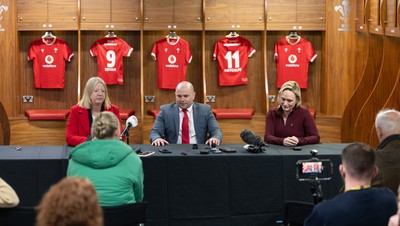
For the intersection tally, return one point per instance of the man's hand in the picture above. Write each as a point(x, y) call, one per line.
point(159, 142)
point(212, 141)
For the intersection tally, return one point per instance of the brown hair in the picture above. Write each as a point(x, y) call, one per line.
point(71, 202)
point(359, 159)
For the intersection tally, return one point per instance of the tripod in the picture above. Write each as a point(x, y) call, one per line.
point(316, 191)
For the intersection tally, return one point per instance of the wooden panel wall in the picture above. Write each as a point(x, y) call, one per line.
point(9, 94)
point(379, 84)
point(344, 57)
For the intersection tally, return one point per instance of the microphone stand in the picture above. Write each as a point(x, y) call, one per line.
point(127, 137)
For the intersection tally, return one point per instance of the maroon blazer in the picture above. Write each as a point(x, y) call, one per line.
point(78, 128)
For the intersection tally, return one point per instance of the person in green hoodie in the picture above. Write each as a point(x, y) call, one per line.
point(110, 164)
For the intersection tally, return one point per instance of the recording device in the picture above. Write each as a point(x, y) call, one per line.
point(256, 144)
point(130, 122)
point(314, 169)
point(214, 149)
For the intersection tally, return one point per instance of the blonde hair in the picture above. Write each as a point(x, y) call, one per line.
point(292, 86)
point(72, 201)
point(104, 125)
point(85, 101)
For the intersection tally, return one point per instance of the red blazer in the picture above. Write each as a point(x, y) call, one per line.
point(78, 128)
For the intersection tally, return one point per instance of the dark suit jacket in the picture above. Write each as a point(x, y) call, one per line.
point(388, 162)
point(167, 124)
point(78, 128)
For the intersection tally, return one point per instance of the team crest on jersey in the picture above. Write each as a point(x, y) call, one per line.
point(299, 50)
point(55, 50)
point(178, 50)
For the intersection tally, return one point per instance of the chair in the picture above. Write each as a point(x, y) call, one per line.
point(295, 212)
point(18, 216)
point(125, 215)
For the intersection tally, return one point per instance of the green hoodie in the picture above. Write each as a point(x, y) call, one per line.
point(114, 169)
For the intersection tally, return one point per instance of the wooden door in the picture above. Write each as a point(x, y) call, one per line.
point(32, 11)
point(95, 11)
point(61, 11)
point(158, 14)
point(125, 11)
point(234, 15)
point(188, 14)
point(311, 15)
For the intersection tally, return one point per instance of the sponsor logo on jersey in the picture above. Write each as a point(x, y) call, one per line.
point(292, 60)
point(49, 59)
point(233, 70)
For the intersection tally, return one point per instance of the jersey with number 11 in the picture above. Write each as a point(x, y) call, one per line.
point(110, 52)
point(233, 54)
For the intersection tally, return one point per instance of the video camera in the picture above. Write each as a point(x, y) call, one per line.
point(314, 169)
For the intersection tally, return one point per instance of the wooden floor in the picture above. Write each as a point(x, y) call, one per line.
point(24, 132)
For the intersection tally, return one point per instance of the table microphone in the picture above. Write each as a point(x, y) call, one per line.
point(130, 122)
point(254, 140)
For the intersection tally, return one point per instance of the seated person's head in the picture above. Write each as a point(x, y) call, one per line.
point(105, 126)
point(72, 201)
point(289, 96)
point(358, 161)
point(94, 86)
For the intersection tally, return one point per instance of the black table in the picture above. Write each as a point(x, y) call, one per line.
point(194, 189)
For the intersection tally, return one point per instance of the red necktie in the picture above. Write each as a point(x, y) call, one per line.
point(185, 128)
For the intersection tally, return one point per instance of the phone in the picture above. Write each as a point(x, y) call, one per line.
point(227, 149)
point(297, 148)
point(164, 151)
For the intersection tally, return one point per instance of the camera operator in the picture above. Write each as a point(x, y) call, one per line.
point(359, 204)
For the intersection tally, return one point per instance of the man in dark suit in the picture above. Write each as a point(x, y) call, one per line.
point(387, 124)
point(203, 127)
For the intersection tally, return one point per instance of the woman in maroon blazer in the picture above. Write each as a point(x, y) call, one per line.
point(290, 124)
point(94, 100)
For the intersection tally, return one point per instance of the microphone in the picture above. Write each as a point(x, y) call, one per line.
point(130, 122)
point(257, 144)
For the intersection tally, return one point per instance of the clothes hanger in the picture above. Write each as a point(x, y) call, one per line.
point(232, 34)
point(110, 34)
point(172, 35)
point(293, 35)
point(48, 34)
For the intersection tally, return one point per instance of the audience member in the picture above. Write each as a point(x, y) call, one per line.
point(359, 204)
point(387, 124)
point(290, 124)
point(110, 164)
point(94, 100)
point(8, 197)
point(395, 219)
point(70, 202)
point(203, 127)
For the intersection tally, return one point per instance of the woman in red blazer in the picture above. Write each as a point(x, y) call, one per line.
point(94, 100)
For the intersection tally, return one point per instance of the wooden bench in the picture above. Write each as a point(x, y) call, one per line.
point(48, 115)
point(233, 113)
